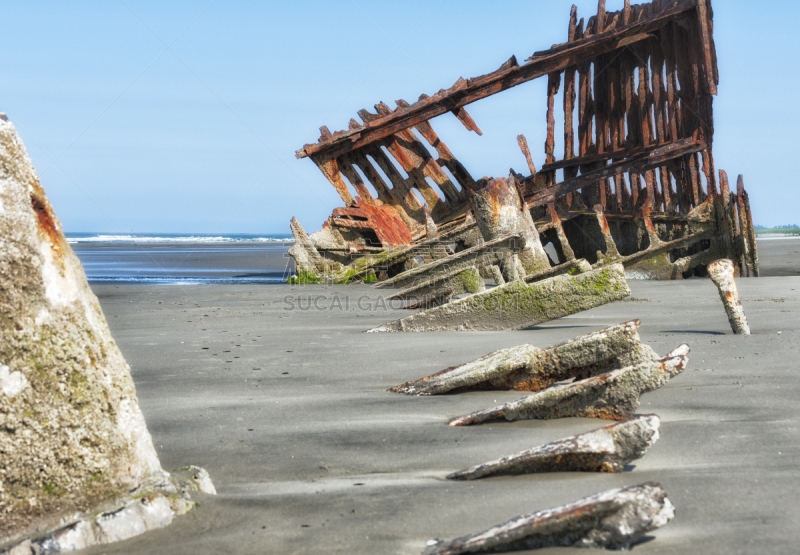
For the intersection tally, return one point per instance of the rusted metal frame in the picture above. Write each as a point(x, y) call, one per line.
point(605, 156)
point(689, 113)
point(731, 225)
point(465, 92)
point(330, 169)
point(433, 169)
point(360, 159)
point(411, 163)
point(401, 148)
point(704, 107)
point(602, 127)
point(661, 123)
point(569, 90)
point(407, 204)
point(617, 106)
point(423, 162)
point(659, 217)
point(645, 98)
point(447, 159)
point(705, 39)
point(586, 109)
point(611, 252)
point(652, 235)
point(665, 247)
point(666, 34)
point(553, 85)
point(638, 164)
point(555, 222)
point(750, 233)
point(345, 166)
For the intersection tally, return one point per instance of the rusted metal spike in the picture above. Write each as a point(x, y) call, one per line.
point(367, 116)
point(573, 23)
point(611, 247)
point(746, 221)
point(464, 117)
point(555, 221)
point(523, 146)
point(721, 273)
point(609, 449)
point(613, 519)
point(611, 396)
point(325, 134)
point(354, 124)
point(510, 63)
point(528, 368)
point(601, 16)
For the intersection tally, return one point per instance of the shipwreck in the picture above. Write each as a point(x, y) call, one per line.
point(639, 185)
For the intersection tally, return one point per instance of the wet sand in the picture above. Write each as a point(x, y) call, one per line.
point(288, 411)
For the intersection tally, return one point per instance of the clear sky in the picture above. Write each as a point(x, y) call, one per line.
point(183, 116)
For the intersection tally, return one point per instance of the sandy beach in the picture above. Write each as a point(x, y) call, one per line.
point(286, 407)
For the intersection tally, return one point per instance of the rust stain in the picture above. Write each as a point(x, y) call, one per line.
point(46, 223)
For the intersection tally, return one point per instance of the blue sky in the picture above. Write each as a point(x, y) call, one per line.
point(184, 116)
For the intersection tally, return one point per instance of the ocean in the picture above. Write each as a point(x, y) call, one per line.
point(183, 259)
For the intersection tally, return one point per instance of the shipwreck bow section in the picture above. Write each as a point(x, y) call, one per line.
point(637, 184)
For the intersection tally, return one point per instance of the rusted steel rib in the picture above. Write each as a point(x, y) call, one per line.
point(608, 449)
point(640, 164)
point(610, 396)
point(613, 519)
point(529, 368)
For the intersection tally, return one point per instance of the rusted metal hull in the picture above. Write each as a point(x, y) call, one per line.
point(639, 184)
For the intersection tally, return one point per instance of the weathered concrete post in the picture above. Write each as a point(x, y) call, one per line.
point(499, 211)
point(78, 465)
point(721, 272)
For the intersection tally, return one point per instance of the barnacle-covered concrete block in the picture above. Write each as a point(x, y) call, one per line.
point(614, 519)
point(78, 464)
point(519, 305)
point(608, 449)
point(529, 368)
point(611, 396)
